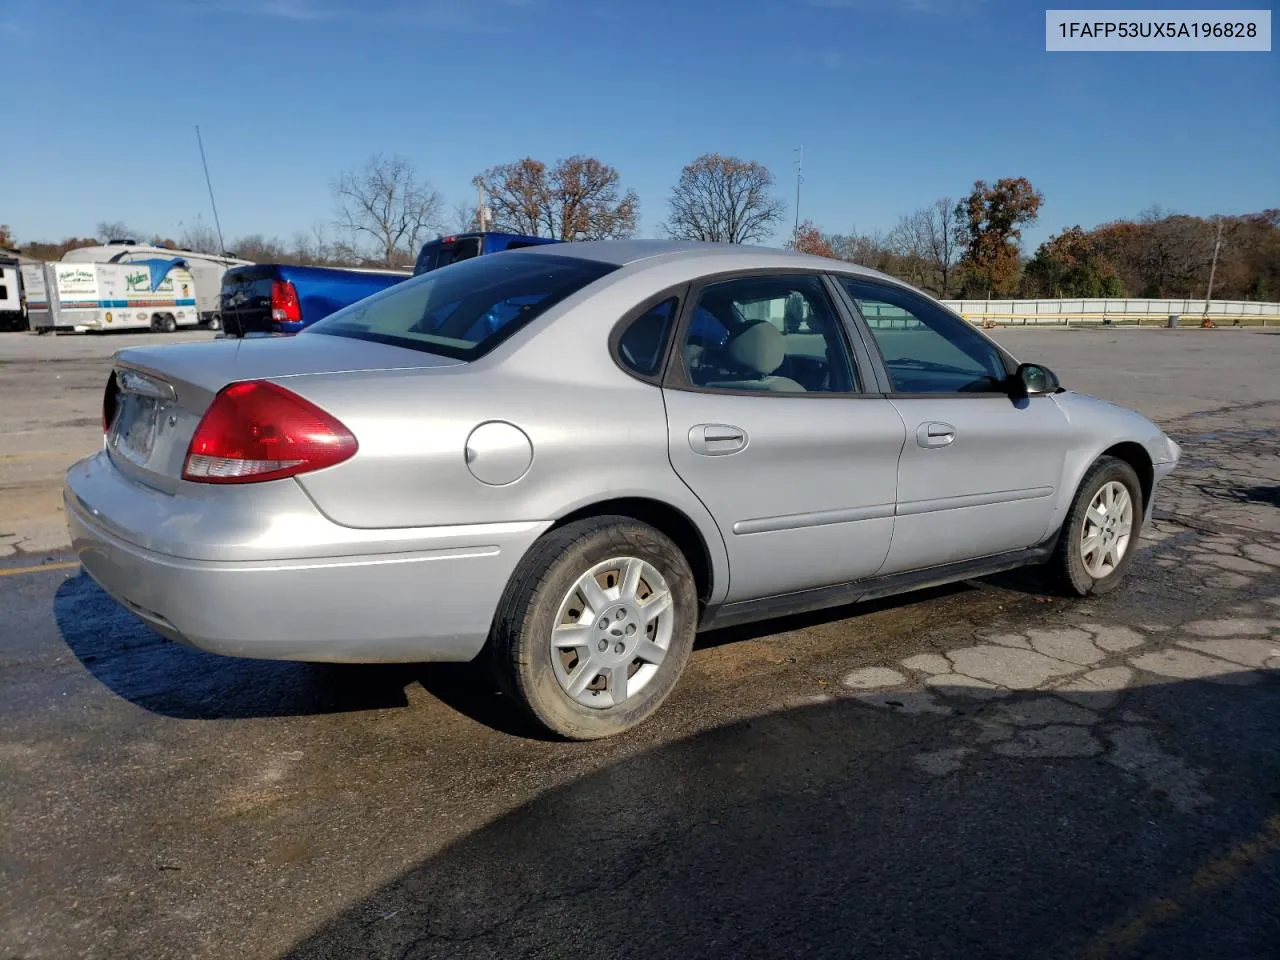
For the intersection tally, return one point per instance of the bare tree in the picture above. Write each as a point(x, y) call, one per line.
point(724, 199)
point(116, 230)
point(941, 239)
point(385, 207)
point(577, 199)
point(929, 246)
point(463, 217)
point(868, 250)
point(200, 238)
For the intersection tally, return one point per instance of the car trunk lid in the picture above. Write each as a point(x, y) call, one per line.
point(157, 395)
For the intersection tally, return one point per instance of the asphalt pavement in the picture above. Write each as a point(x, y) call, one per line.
point(986, 770)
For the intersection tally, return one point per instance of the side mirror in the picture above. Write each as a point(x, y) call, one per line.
point(1033, 380)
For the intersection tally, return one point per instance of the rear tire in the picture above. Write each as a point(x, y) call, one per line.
point(215, 322)
point(1100, 533)
point(636, 642)
point(168, 324)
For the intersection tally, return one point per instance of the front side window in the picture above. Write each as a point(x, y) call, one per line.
point(769, 334)
point(466, 309)
point(926, 349)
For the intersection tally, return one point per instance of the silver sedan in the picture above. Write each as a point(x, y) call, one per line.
point(573, 457)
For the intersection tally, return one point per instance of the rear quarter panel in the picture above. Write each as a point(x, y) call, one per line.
point(591, 441)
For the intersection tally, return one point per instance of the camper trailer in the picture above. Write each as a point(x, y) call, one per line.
point(12, 314)
point(206, 269)
point(157, 294)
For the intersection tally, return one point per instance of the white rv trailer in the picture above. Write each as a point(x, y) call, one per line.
point(35, 291)
point(206, 269)
point(12, 316)
point(154, 294)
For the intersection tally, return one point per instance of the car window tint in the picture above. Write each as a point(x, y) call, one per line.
point(926, 349)
point(770, 334)
point(465, 309)
point(644, 342)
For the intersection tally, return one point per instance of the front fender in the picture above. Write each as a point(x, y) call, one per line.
point(1098, 426)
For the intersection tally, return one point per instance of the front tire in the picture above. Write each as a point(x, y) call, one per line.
point(1100, 533)
point(595, 627)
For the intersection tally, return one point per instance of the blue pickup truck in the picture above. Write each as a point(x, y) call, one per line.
point(278, 298)
point(463, 246)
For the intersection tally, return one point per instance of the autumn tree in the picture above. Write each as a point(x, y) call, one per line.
point(809, 239)
point(1070, 264)
point(6, 237)
point(579, 198)
point(989, 225)
point(386, 209)
point(724, 199)
point(51, 251)
point(1160, 254)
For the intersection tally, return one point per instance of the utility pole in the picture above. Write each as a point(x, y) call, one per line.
point(480, 210)
point(795, 233)
point(1213, 269)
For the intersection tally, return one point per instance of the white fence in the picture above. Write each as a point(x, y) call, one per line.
point(1114, 310)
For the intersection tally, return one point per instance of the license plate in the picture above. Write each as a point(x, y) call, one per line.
point(134, 433)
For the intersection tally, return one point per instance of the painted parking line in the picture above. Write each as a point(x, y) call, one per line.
point(14, 571)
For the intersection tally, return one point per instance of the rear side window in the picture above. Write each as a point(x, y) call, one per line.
point(643, 343)
point(466, 309)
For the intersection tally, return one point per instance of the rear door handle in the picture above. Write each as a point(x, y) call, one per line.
point(717, 439)
point(935, 434)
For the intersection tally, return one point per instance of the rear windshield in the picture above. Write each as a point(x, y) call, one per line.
point(434, 256)
point(466, 309)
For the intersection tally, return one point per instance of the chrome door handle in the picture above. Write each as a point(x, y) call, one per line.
point(935, 434)
point(717, 439)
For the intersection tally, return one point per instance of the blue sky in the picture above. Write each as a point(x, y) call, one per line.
point(895, 101)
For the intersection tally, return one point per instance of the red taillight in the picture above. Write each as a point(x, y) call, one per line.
point(257, 431)
point(284, 302)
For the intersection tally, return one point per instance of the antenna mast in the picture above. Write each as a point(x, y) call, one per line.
point(222, 247)
point(795, 233)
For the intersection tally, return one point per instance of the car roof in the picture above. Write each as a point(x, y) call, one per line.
point(624, 252)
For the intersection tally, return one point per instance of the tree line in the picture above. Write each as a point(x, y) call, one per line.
point(970, 247)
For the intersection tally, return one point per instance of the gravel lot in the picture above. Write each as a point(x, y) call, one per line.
point(978, 771)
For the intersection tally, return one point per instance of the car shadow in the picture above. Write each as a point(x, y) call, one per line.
point(848, 830)
point(172, 679)
point(175, 680)
point(178, 681)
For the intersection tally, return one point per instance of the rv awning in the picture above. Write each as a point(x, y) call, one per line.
point(160, 268)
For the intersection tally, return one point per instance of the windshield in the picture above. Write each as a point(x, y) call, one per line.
point(466, 309)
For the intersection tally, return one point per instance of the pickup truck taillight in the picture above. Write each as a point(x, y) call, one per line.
point(256, 430)
point(109, 396)
point(284, 302)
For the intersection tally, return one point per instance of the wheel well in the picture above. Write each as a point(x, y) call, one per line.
point(663, 517)
point(1137, 457)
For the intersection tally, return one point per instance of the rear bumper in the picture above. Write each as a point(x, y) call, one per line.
point(428, 598)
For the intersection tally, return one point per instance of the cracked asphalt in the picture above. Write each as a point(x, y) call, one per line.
point(986, 770)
